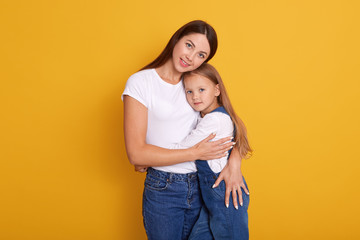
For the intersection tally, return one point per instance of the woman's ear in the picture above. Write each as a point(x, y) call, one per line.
point(217, 90)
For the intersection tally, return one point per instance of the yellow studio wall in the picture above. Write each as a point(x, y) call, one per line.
point(292, 72)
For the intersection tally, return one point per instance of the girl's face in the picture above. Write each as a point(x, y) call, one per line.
point(190, 52)
point(201, 93)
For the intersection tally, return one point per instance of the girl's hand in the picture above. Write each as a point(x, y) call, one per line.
point(234, 181)
point(206, 150)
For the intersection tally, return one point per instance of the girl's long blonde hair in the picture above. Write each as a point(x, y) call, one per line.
point(242, 143)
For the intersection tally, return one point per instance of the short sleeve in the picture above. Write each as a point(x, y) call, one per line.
point(136, 87)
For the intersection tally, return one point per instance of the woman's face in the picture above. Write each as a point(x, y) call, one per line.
point(190, 52)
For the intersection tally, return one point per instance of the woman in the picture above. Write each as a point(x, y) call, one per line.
point(156, 115)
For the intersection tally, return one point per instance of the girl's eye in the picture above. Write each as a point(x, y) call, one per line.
point(188, 92)
point(202, 89)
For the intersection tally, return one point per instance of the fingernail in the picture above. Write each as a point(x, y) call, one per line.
point(227, 205)
point(232, 138)
point(241, 204)
point(213, 186)
point(214, 133)
point(233, 143)
point(231, 147)
point(248, 193)
point(237, 208)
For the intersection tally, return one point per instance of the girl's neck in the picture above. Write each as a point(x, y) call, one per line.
point(210, 109)
point(168, 73)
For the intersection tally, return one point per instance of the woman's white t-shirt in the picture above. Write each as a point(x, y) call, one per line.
point(170, 117)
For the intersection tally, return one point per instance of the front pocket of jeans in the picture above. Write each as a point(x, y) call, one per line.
point(155, 183)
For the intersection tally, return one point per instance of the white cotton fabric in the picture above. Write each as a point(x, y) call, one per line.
point(214, 122)
point(170, 117)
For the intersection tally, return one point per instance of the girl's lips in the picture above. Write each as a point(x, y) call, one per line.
point(183, 63)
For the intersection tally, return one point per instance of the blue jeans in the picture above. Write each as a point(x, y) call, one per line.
point(215, 220)
point(171, 204)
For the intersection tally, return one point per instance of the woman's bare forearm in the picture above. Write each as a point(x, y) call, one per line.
point(235, 159)
point(150, 155)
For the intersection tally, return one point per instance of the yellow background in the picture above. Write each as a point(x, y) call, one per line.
point(292, 72)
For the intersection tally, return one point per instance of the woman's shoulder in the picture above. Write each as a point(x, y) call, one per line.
point(141, 78)
point(145, 73)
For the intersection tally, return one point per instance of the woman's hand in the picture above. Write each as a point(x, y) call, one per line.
point(233, 178)
point(139, 168)
point(206, 150)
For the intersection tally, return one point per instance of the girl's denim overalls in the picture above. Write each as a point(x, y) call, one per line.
point(215, 220)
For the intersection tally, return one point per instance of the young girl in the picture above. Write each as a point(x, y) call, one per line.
point(206, 94)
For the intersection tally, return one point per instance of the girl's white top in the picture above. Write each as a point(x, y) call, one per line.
point(170, 117)
point(214, 122)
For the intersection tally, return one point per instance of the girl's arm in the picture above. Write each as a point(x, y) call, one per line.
point(234, 181)
point(209, 124)
point(143, 154)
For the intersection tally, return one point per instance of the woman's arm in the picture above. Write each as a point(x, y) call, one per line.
point(234, 181)
point(141, 153)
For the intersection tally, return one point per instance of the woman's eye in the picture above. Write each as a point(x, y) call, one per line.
point(201, 55)
point(188, 45)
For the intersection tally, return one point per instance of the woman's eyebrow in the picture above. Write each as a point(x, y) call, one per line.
point(191, 43)
point(195, 46)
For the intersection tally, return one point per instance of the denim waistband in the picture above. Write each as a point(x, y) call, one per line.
point(204, 168)
point(172, 176)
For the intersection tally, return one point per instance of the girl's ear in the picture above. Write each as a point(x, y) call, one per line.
point(217, 90)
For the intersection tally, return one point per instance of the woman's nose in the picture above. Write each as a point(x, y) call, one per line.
point(190, 56)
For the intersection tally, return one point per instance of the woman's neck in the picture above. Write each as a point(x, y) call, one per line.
point(168, 73)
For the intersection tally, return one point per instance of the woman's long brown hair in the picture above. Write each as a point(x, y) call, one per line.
point(242, 143)
point(197, 26)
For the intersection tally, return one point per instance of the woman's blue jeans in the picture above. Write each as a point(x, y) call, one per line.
point(171, 204)
point(215, 220)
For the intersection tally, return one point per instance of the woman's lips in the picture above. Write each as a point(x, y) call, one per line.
point(183, 63)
